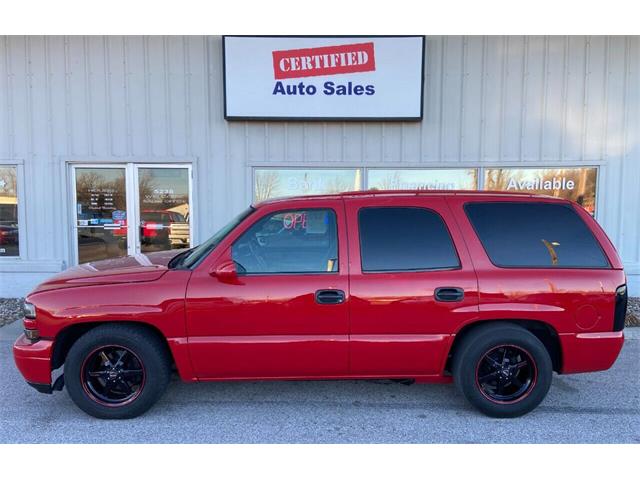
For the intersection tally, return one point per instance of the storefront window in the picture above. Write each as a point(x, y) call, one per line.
point(271, 182)
point(423, 179)
point(164, 208)
point(576, 184)
point(101, 213)
point(9, 241)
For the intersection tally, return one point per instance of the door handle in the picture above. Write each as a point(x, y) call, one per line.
point(449, 294)
point(329, 297)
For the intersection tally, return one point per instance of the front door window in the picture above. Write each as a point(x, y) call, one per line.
point(293, 241)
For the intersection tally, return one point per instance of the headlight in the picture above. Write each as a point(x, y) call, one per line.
point(29, 310)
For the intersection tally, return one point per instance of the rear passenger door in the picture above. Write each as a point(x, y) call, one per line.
point(411, 284)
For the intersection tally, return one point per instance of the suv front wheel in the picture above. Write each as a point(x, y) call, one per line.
point(503, 370)
point(117, 371)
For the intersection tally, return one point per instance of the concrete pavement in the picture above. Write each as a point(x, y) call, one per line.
point(587, 408)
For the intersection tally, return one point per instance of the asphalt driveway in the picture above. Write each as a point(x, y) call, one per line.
point(589, 408)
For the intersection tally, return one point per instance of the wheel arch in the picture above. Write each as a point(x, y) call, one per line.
point(545, 332)
point(69, 335)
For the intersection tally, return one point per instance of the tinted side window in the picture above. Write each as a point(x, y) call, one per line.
point(404, 239)
point(535, 235)
point(295, 241)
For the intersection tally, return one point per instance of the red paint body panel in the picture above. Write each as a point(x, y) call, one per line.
point(398, 355)
point(239, 321)
point(396, 324)
point(552, 296)
point(33, 359)
point(390, 325)
point(590, 352)
point(270, 356)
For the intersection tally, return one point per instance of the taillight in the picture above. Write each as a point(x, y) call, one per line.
point(620, 308)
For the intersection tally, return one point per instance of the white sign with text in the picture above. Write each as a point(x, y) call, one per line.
point(323, 78)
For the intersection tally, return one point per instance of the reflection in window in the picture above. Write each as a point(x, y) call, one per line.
point(423, 179)
point(523, 234)
point(164, 208)
point(9, 241)
point(271, 182)
point(576, 184)
point(101, 213)
point(300, 241)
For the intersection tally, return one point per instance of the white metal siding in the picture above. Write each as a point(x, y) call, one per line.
point(488, 101)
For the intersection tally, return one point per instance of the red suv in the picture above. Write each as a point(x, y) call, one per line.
point(491, 291)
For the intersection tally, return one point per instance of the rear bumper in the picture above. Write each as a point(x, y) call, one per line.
point(33, 360)
point(590, 352)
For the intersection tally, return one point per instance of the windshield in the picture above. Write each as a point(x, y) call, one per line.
point(196, 254)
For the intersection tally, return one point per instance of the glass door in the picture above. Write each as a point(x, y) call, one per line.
point(101, 213)
point(163, 208)
point(128, 209)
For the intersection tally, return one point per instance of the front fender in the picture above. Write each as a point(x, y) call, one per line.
point(160, 303)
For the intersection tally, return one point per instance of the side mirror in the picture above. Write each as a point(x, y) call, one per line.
point(226, 272)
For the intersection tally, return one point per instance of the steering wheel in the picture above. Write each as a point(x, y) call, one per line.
point(254, 249)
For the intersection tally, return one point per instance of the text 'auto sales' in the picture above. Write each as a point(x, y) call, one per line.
point(323, 61)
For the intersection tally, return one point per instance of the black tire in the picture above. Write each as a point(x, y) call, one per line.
point(148, 363)
point(508, 388)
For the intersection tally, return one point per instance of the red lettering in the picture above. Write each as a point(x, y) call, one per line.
point(321, 61)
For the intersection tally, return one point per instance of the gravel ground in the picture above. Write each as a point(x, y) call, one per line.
point(11, 310)
point(633, 313)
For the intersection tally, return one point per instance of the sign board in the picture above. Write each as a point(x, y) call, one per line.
point(323, 78)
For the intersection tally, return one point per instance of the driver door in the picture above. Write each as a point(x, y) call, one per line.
point(283, 312)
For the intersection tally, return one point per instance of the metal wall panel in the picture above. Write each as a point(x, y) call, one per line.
point(488, 101)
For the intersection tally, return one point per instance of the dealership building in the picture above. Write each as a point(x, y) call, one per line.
point(113, 146)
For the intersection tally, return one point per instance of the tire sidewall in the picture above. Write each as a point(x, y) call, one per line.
point(474, 349)
point(154, 365)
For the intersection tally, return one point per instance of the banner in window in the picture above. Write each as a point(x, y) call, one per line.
point(278, 182)
point(576, 184)
point(422, 179)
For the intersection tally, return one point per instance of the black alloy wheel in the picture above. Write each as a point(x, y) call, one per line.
point(502, 369)
point(113, 375)
point(117, 370)
point(506, 374)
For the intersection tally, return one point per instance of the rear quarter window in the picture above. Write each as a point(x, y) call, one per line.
point(528, 234)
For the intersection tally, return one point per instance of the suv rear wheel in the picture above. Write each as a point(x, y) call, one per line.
point(117, 371)
point(503, 370)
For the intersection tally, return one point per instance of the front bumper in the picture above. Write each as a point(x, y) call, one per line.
point(590, 352)
point(34, 361)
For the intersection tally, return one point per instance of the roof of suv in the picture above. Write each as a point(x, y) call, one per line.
point(405, 193)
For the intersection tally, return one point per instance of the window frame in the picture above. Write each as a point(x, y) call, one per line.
point(21, 209)
point(277, 212)
point(561, 203)
point(414, 270)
